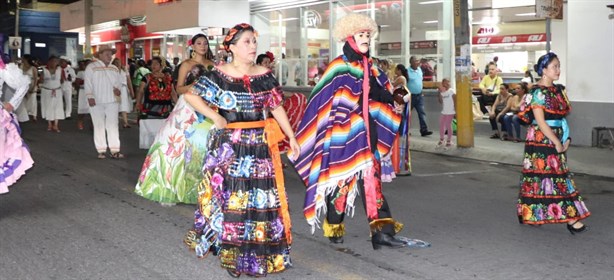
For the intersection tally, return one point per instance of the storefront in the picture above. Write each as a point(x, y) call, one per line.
point(147, 28)
point(517, 46)
point(302, 31)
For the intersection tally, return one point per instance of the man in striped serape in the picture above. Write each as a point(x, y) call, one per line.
point(350, 122)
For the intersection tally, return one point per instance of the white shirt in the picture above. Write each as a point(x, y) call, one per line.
point(100, 80)
point(448, 102)
point(15, 79)
point(69, 74)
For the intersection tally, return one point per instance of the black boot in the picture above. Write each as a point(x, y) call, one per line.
point(378, 239)
point(336, 240)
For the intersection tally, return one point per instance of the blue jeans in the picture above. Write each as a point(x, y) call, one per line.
point(512, 120)
point(417, 101)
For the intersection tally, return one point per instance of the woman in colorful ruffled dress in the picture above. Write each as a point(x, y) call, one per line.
point(242, 214)
point(15, 156)
point(548, 193)
point(172, 169)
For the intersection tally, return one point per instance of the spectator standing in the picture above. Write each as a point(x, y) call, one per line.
point(127, 93)
point(284, 69)
point(83, 107)
point(447, 98)
point(415, 86)
point(52, 107)
point(102, 89)
point(489, 86)
point(139, 73)
point(68, 77)
point(28, 68)
point(427, 71)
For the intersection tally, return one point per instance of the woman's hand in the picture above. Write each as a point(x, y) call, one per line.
point(220, 122)
point(566, 145)
point(398, 108)
point(296, 149)
point(559, 147)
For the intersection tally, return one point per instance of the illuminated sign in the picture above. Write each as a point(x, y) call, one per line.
point(312, 19)
point(488, 30)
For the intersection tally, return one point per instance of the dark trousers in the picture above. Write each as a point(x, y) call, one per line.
point(486, 100)
point(493, 121)
point(335, 218)
point(417, 101)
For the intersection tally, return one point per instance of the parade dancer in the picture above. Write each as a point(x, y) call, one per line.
point(350, 123)
point(548, 193)
point(15, 156)
point(173, 166)
point(242, 214)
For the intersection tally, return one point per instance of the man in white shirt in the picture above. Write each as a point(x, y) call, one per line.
point(68, 74)
point(102, 83)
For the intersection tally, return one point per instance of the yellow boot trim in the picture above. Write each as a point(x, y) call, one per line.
point(377, 225)
point(337, 230)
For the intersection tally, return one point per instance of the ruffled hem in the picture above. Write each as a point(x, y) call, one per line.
point(16, 155)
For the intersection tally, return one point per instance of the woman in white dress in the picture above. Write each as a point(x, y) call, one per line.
point(28, 68)
point(83, 108)
point(52, 103)
point(127, 93)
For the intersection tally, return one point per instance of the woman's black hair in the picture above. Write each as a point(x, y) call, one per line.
point(28, 58)
point(403, 70)
point(235, 33)
point(543, 62)
point(525, 87)
point(209, 53)
point(530, 75)
point(506, 86)
point(260, 58)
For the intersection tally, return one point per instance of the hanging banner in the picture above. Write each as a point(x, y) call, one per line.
point(549, 9)
point(524, 38)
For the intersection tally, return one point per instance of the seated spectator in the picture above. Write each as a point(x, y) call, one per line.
point(489, 86)
point(510, 117)
point(497, 107)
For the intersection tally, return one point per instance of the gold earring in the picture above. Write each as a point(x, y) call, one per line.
point(193, 54)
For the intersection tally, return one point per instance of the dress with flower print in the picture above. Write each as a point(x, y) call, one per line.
point(548, 193)
point(172, 168)
point(238, 213)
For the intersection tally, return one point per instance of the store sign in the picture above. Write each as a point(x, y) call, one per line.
point(412, 45)
point(525, 38)
point(488, 30)
point(312, 19)
point(549, 9)
point(164, 1)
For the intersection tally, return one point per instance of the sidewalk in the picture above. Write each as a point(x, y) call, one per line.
point(586, 160)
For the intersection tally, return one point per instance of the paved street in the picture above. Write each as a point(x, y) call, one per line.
point(76, 217)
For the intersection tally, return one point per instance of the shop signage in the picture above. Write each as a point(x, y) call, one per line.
point(488, 30)
point(312, 19)
point(163, 1)
point(524, 38)
point(412, 45)
point(549, 9)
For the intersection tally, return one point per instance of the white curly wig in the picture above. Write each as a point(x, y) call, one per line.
point(353, 23)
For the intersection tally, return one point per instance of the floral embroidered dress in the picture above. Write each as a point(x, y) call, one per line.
point(242, 214)
point(157, 100)
point(172, 168)
point(547, 191)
